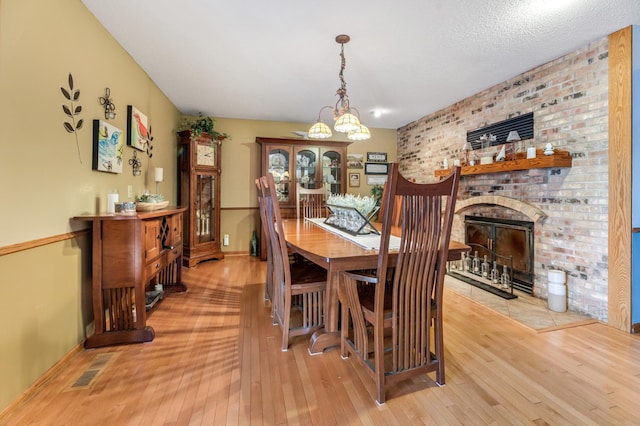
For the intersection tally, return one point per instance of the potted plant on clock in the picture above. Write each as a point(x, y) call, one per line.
point(203, 124)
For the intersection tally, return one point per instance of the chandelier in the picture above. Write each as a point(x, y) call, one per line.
point(343, 113)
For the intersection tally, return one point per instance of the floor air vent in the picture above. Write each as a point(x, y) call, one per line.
point(85, 379)
point(90, 375)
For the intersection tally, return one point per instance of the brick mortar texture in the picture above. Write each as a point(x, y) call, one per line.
point(569, 100)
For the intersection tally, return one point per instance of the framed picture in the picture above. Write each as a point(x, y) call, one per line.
point(377, 157)
point(354, 179)
point(354, 161)
point(376, 179)
point(137, 129)
point(376, 168)
point(108, 147)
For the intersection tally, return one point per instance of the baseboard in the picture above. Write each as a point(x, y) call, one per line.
point(236, 253)
point(44, 378)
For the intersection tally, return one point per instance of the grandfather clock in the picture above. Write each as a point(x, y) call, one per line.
point(199, 190)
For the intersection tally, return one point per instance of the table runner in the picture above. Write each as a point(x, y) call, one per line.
point(369, 242)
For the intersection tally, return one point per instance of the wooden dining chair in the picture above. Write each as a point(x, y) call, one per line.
point(311, 202)
point(407, 304)
point(396, 209)
point(298, 288)
point(268, 290)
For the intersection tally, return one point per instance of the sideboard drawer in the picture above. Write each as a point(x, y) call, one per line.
point(173, 254)
point(152, 268)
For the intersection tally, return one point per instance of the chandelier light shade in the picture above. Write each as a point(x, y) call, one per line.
point(346, 117)
point(362, 133)
point(319, 131)
point(346, 123)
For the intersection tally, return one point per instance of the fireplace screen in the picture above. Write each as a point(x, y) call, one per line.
point(505, 238)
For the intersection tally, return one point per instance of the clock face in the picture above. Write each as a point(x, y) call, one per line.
point(205, 155)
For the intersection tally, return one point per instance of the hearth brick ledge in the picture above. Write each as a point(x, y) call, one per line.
point(531, 211)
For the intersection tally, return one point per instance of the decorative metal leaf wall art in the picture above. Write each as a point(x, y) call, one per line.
point(72, 110)
point(149, 143)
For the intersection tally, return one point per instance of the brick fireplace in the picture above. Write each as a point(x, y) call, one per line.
point(568, 206)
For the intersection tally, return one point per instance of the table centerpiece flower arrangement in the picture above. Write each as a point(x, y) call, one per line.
point(352, 213)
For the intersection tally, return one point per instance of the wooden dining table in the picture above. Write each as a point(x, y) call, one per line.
point(335, 254)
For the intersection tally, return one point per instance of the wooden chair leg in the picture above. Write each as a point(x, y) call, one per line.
point(286, 323)
point(378, 343)
point(275, 307)
point(344, 321)
point(439, 350)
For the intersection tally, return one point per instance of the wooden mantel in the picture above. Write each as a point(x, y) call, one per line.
point(558, 159)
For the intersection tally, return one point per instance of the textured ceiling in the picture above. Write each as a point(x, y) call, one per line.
point(278, 60)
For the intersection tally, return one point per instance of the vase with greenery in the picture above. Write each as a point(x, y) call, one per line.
point(376, 192)
point(203, 124)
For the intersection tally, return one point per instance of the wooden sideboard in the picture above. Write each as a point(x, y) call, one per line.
point(132, 252)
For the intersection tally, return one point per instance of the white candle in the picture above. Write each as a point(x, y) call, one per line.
point(159, 174)
point(112, 199)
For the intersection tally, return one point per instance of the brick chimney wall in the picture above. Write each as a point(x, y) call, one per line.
point(569, 99)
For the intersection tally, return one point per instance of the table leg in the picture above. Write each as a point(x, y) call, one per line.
point(329, 336)
point(323, 339)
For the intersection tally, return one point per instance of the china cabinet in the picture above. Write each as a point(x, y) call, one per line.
point(199, 189)
point(311, 163)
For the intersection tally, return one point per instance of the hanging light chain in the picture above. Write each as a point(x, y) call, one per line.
point(345, 120)
point(342, 91)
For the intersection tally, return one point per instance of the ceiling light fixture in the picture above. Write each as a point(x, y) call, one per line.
point(343, 113)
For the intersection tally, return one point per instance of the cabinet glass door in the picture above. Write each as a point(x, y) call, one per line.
point(205, 203)
point(279, 162)
point(332, 172)
point(306, 167)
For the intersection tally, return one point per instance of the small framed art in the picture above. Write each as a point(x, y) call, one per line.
point(137, 129)
point(354, 161)
point(376, 179)
point(108, 146)
point(377, 157)
point(354, 180)
point(376, 168)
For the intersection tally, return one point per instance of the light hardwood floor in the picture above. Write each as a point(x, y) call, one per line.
point(216, 360)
